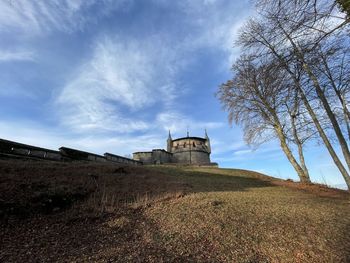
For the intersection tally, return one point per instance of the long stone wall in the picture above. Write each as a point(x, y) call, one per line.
point(10, 149)
point(81, 155)
point(25, 150)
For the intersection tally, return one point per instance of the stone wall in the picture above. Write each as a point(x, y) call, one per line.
point(20, 149)
point(10, 149)
point(81, 155)
point(191, 157)
point(144, 157)
point(190, 150)
point(160, 156)
point(157, 156)
point(120, 159)
point(191, 143)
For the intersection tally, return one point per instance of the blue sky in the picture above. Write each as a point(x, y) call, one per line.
point(103, 75)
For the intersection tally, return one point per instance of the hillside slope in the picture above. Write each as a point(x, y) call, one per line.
point(85, 212)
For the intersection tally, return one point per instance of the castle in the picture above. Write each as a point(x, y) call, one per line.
point(185, 150)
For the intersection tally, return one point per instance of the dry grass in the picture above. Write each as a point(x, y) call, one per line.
point(167, 214)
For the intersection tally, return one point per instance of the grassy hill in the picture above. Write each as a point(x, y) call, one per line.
point(85, 212)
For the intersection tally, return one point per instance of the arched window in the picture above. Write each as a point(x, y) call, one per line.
point(184, 145)
point(194, 145)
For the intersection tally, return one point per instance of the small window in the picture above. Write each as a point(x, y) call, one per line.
point(184, 145)
point(194, 145)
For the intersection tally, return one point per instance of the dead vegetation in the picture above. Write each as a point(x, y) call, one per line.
point(83, 212)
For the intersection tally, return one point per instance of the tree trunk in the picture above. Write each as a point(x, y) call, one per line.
point(341, 99)
point(304, 178)
point(324, 137)
point(338, 93)
point(300, 147)
point(346, 117)
point(330, 114)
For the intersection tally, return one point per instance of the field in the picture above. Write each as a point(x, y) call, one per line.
point(88, 212)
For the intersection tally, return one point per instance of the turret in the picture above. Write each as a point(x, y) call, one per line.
point(207, 141)
point(169, 142)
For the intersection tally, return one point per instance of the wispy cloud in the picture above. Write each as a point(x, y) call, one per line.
point(122, 78)
point(19, 55)
point(242, 152)
point(41, 16)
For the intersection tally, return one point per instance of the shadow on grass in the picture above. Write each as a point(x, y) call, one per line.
point(82, 238)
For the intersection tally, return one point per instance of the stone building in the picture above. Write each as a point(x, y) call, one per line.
point(185, 150)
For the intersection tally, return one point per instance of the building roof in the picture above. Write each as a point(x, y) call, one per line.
point(153, 150)
point(186, 138)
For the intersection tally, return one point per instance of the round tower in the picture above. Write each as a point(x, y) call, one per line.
point(190, 150)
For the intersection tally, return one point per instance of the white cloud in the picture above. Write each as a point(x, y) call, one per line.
point(6, 56)
point(242, 152)
point(122, 78)
point(41, 16)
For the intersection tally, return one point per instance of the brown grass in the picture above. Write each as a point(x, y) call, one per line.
point(109, 213)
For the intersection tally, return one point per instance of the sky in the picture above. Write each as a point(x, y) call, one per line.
point(116, 75)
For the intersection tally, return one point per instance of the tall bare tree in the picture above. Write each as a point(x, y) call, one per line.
point(290, 31)
point(256, 98)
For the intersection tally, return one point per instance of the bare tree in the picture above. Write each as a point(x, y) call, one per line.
point(333, 69)
point(256, 98)
point(289, 32)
